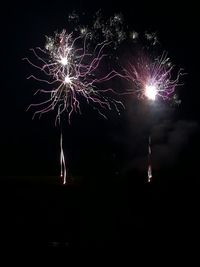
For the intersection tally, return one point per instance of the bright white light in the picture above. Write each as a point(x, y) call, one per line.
point(67, 79)
point(151, 91)
point(64, 61)
point(134, 35)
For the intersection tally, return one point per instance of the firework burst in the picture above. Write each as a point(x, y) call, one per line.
point(153, 79)
point(71, 73)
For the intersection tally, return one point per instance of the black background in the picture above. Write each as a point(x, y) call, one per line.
point(107, 207)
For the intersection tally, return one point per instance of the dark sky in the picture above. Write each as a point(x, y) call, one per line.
point(31, 147)
point(111, 153)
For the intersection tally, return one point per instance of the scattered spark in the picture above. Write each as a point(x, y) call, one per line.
point(134, 35)
point(152, 37)
point(83, 30)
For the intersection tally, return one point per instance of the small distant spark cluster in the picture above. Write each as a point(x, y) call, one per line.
point(153, 79)
point(71, 73)
point(111, 29)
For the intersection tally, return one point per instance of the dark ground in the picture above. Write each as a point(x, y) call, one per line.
point(101, 211)
point(123, 216)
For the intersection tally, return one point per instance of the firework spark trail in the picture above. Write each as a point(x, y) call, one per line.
point(71, 73)
point(153, 79)
point(149, 170)
point(63, 172)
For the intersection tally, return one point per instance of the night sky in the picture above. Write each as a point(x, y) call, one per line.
point(110, 205)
